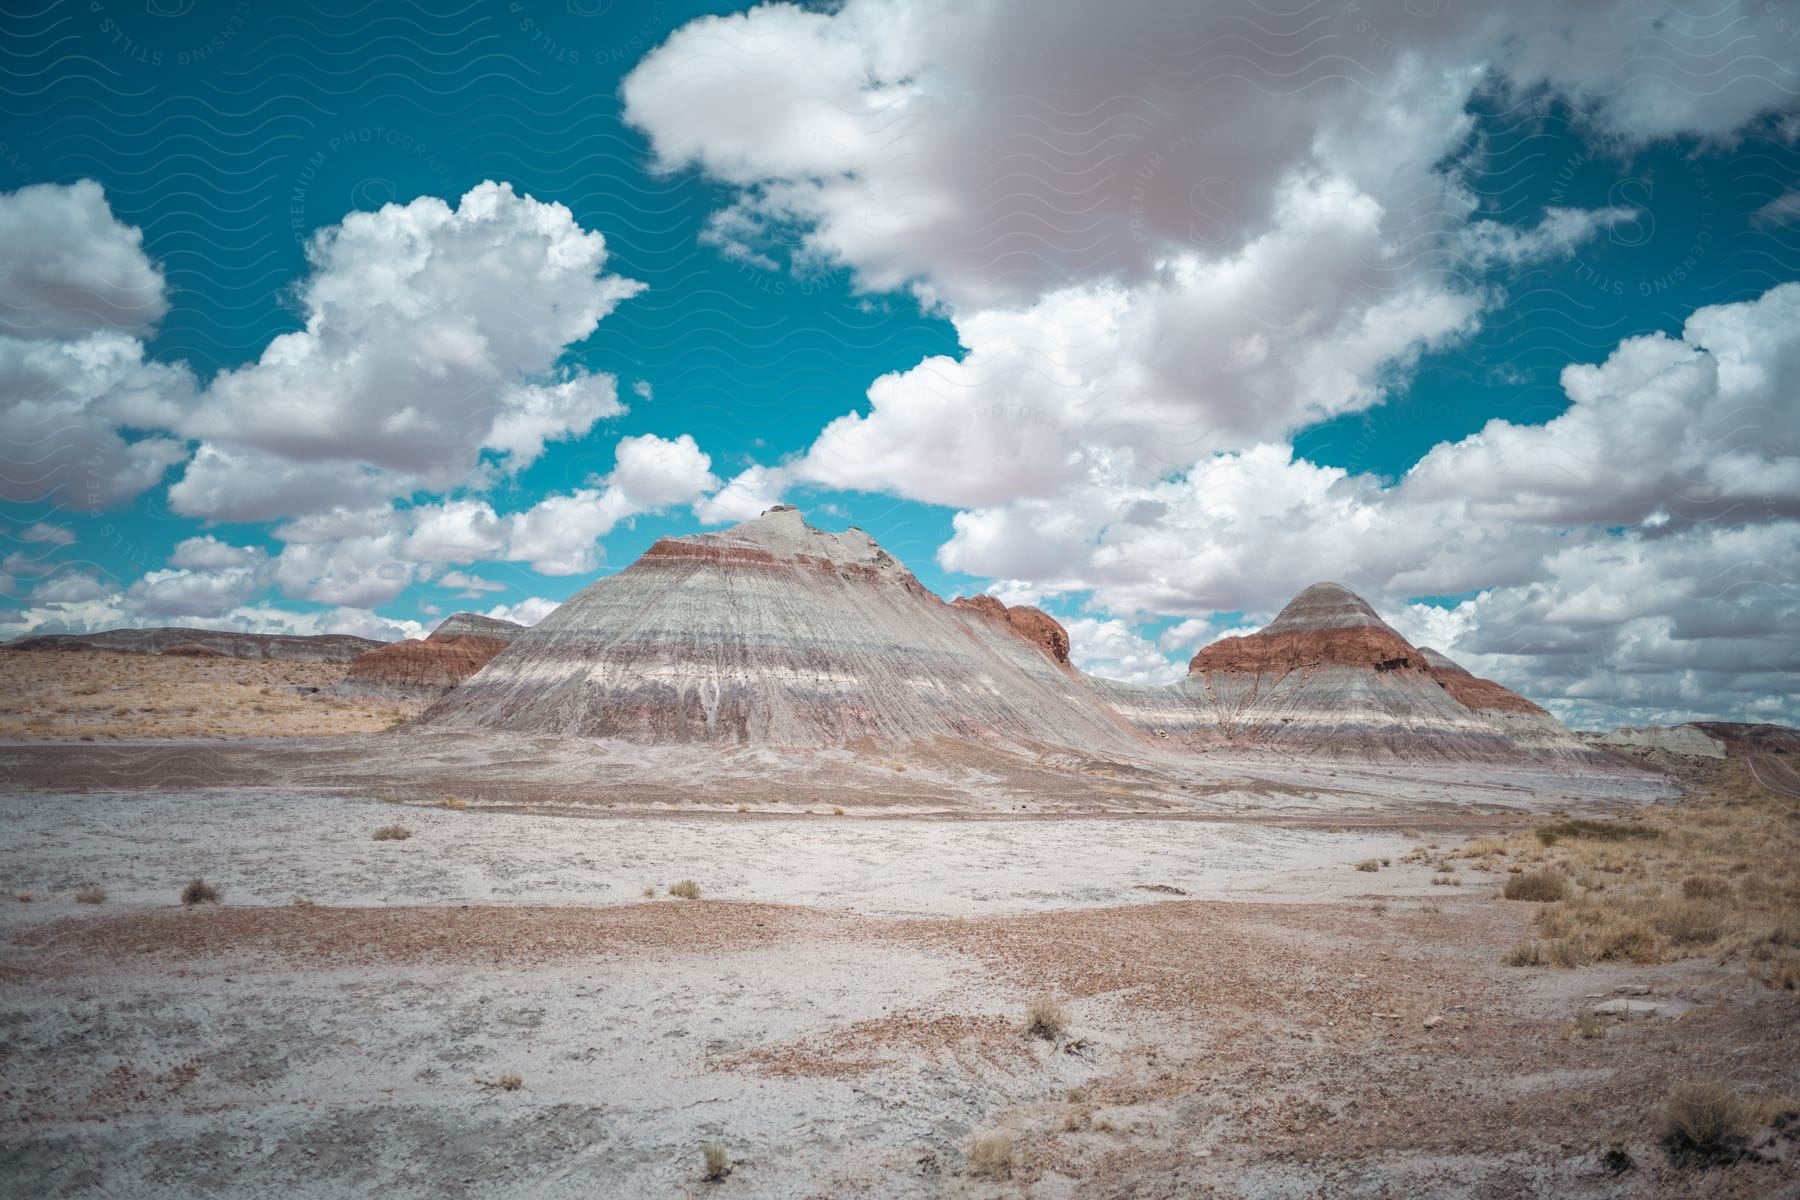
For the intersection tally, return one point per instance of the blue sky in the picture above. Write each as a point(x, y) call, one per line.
point(1209, 315)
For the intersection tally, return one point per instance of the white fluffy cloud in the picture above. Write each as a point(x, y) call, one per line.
point(76, 294)
point(432, 333)
point(1160, 231)
point(528, 611)
point(749, 493)
point(1169, 237)
point(1113, 649)
point(45, 533)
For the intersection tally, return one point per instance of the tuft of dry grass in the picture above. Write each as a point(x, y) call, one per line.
point(392, 833)
point(1539, 887)
point(991, 1156)
point(1046, 1018)
point(1707, 1122)
point(687, 889)
point(198, 891)
point(1369, 864)
point(92, 893)
point(509, 1083)
point(453, 802)
point(716, 1160)
point(1587, 1025)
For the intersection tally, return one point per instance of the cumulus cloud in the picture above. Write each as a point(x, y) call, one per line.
point(469, 587)
point(526, 612)
point(432, 333)
point(750, 493)
point(77, 293)
point(47, 534)
point(655, 472)
point(1160, 234)
point(1169, 237)
point(1113, 649)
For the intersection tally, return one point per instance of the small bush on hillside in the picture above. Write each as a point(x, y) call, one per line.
point(1369, 864)
point(198, 891)
point(992, 1156)
point(392, 833)
point(1046, 1018)
point(93, 893)
point(718, 1162)
point(687, 889)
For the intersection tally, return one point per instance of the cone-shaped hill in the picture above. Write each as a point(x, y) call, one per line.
point(777, 633)
point(774, 632)
point(1329, 675)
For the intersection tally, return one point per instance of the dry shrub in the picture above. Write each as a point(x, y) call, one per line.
point(991, 1155)
point(1705, 887)
point(198, 891)
point(687, 889)
point(1704, 1121)
point(93, 893)
point(1541, 887)
point(1588, 1025)
point(509, 1083)
point(1369, 864)
point(1046, 1018)
point(392, 833)
point(455, 802)
point(717, 1161)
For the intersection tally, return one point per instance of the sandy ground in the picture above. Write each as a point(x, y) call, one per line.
point(843, 1011)
point(269, 849)
point(101, 695)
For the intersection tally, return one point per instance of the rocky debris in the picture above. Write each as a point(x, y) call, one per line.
point(1625, 1009)
point(193, 643)
point(776, 633)
point(1033, 624)
point(425, 669)
point(1679, 739)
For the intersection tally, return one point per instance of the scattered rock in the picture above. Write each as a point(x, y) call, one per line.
point(1627, 1010)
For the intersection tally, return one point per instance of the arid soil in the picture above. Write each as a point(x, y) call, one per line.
point(101, 695)
point(493, 1005)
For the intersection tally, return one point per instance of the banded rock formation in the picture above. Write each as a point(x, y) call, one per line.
point(1328, 675)
point(777, 633)
point(1033, 624)
point(202, 643)
point(425, 669)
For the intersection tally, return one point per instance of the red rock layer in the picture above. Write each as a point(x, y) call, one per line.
point(1472, 691)
point(1033, 624)
point(429, 667)
point(1325, 625)
point(460, 646)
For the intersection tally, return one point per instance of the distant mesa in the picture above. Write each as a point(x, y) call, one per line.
point(203, 643)
point(777, 633)
point(424, 669)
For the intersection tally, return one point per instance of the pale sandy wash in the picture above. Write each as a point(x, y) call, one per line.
point(270, 848)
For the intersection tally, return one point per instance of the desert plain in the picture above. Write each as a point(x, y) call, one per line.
point(939, 972)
